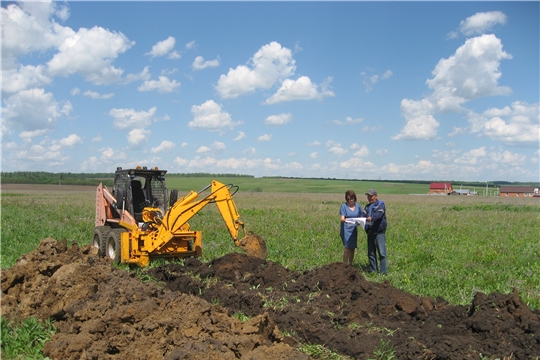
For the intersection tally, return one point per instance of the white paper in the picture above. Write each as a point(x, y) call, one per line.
point(358, 221)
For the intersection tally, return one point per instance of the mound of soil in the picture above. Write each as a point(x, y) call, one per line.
point(193, 311)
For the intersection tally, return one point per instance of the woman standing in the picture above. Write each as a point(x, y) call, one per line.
point(349, 232)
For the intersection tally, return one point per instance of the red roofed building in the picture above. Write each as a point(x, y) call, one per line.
point(440, 188)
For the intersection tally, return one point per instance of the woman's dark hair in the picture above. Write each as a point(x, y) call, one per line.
point(349, 194)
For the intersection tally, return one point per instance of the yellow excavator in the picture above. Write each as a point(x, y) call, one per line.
point(139, 220)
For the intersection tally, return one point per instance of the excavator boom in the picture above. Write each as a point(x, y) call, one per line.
point(184, 209)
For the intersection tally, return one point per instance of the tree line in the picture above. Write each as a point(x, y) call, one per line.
point(42, 177)
point(91, 179)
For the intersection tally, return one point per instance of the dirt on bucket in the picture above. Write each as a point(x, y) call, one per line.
point(244, 307)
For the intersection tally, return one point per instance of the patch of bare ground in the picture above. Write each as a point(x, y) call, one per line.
point(103, 312)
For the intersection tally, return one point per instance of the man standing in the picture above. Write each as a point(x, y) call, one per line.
point(375, 213)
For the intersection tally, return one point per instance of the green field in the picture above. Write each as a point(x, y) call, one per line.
point(284, 185)
point(449, 246)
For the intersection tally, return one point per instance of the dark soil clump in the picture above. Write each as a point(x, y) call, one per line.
point(192, 311)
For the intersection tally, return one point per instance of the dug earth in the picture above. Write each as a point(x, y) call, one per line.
point(241, 307)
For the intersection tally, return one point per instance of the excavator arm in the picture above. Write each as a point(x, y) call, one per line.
point(176, 219)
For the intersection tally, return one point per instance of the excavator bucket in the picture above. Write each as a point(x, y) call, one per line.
point(254, 245)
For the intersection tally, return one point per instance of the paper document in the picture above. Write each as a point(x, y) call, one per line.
point(358, 221)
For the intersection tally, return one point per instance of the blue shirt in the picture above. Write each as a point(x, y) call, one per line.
point(349, 230)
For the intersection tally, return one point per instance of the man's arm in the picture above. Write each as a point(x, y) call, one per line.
point(378, 211)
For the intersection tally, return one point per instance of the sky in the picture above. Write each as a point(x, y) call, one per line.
point(349, 90)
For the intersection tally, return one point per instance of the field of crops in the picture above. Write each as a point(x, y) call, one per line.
point(449, 246)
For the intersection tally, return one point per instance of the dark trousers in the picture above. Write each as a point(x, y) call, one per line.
point(377, 244)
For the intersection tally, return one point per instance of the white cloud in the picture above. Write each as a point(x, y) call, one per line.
point(30, 28)
point(515, 125)
point(24, 78)
point(90, 52)
point(138, 136)
point(294, 166)
point(48, 152)
point(96, 95)
point(209, 116)
point(457, 131)
point(250, 151)
point(216, 147)
point(200, 64)
point(370, 80)
point(471, 157)
point(181, 162)
point(169, 71)
point(71, 140)
point(481, 22)
point(109, 154)
point(165, 146)
point(314, 143)
point(358, 165)
point(507, 157)
point(314, 155)
point(143, 75)
point(446, 156)
point(348, 121)
point(125, 119)
point(300, 89)
point(280, 119)
point(163, 85)
point(270, 63)
point(28, 135)
point(202, 163)
point(421, 125)
point(31, 110)
point(162, 48)
point(472, 72)
point(362, 152)
point(331, 143)
point(203, 149)
point(374, 128)
point(240, 136)
point(265, 137)
point(174, 55)
point(338, 150)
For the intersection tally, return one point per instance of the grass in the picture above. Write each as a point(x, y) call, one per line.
point(295, 186)
point(25, 340)
point(318, 351)
point(28, 217)
point(448, 246)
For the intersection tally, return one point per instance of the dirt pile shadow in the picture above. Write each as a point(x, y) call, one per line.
point(191, 313)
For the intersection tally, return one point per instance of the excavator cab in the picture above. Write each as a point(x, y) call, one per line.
point(135, 189)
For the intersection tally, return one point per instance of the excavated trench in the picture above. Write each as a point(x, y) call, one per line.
point(241, 307)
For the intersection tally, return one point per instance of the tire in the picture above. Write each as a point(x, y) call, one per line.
point(99, 239)
point(173, 198)
point(113, 245)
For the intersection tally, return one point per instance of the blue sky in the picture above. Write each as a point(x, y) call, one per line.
point(351, 90)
